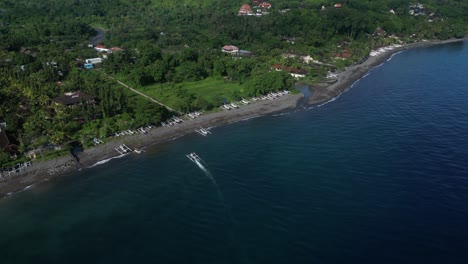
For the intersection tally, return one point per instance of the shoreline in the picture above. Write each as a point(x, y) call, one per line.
point(324, 92)
point(321, 93)
point(45, 170)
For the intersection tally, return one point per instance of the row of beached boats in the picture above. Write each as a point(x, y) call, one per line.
point(129, 132)
point(122, 149)
point(271, 96)
point(235, 105)
point(229, 106)
point(193, 115)
point(18, 167)
point(172, 122)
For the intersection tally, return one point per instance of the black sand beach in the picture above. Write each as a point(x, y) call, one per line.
point(43, 170)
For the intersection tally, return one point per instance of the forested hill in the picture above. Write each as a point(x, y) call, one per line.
point(213, 22)
point(171, 50)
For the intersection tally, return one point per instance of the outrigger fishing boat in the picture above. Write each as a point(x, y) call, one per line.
point(193, 157)
point(122, 149)
point(203, 132)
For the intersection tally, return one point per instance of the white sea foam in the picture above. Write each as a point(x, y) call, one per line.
point(107, 160)
point(248, 118)
point(282, 114)
point(391, 57)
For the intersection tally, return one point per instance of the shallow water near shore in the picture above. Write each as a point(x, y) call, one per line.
point(379, 175)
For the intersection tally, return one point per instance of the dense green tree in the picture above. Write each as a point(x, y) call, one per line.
point(43, 45)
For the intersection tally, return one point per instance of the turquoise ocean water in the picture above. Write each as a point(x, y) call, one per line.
point(380, 175)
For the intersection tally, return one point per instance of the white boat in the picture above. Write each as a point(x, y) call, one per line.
point(245, 101)
point(176, 119)
point(227, 107)
point(193, 115)
point(203, 132)
point(142, 130)
point(138, 151)
point(122, 149)
point(193, 157)
point(97, 141)
point(234, 105)
point(129, 132)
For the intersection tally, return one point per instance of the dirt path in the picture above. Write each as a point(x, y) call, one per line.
point(144, 95)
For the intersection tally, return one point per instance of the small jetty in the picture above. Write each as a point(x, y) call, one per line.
point(203, 132)
point(193, 157)
point(122, 149)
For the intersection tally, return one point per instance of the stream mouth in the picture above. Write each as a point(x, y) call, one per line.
point(76, 147)
point(306, 90)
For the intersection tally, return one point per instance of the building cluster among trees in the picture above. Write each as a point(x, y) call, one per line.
point(56, 89)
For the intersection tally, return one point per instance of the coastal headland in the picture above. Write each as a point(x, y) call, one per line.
point(323, 92)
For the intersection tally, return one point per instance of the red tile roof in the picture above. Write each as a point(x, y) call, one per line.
point(245, 9)
point(265, 5)
point(116, 49)
point(230, 48)
point(279, 67)
point(344, 55)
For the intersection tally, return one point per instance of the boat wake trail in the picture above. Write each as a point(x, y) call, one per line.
point(197, 160)
point(218, 190)
point(207, 172)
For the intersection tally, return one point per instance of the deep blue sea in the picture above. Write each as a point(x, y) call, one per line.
point(379, 175)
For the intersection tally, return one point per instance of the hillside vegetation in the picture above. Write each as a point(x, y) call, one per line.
point(171, 50)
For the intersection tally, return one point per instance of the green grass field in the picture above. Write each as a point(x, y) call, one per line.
point(215, 91)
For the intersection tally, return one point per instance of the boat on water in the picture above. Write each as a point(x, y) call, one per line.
point(203, 132)
point(193, 157)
